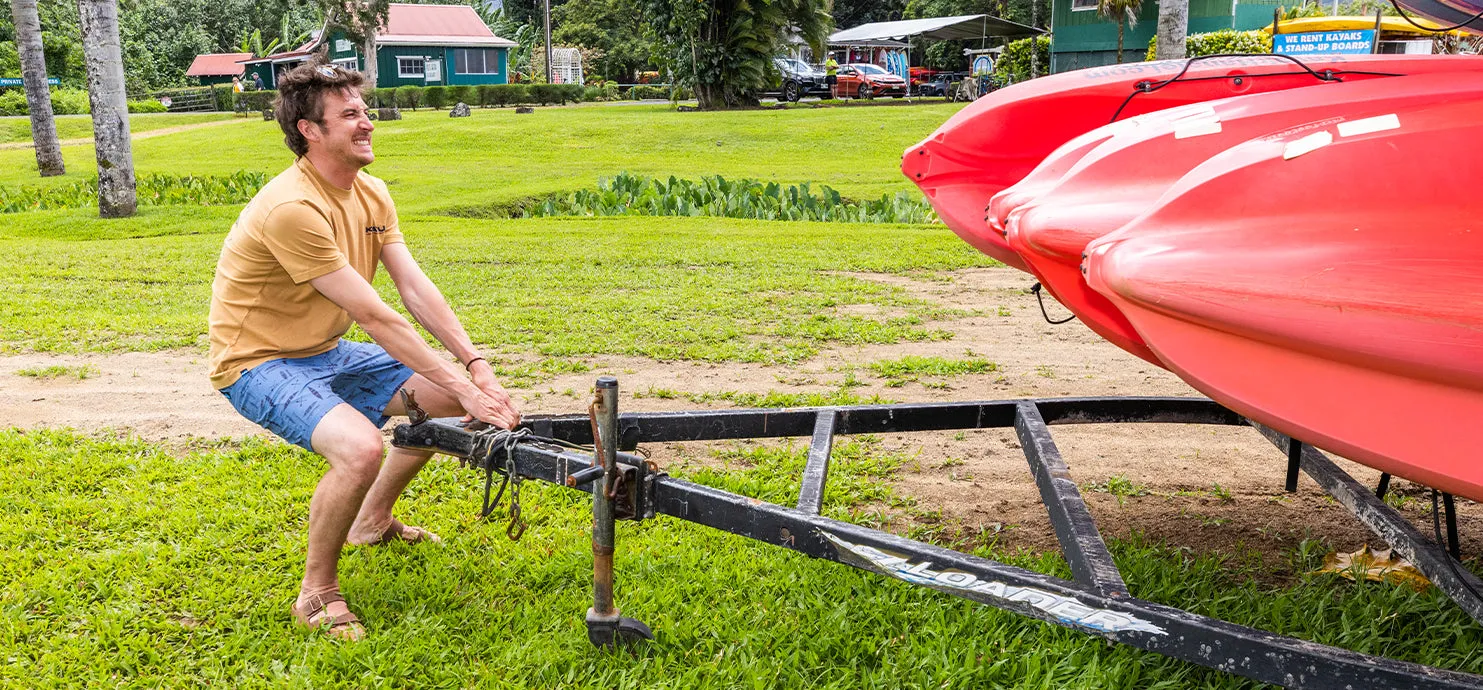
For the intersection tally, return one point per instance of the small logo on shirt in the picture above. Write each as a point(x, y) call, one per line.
point(375, 229)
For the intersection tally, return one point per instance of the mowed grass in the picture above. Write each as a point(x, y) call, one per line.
point(433, 162)
point(18, 129)
point(709, 289)
point(128, 565)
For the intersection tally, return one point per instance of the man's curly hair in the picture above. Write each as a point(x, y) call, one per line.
point(301, 97)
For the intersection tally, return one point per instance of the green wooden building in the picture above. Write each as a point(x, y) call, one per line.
point(421, 45)
point(1080, 38)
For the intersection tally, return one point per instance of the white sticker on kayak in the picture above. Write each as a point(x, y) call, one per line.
point(1196, 128)
point(1369, 125)
point(1308, 144)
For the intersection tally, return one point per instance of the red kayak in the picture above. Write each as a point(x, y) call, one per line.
point(994, 142)
point(1124, 176)
point(1327, 282)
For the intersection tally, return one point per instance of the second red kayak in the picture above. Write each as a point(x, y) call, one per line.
point(1327, 282)
point(995, 141)
point(1124, 176)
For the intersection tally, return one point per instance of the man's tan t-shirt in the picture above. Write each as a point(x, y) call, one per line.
point(297, 228)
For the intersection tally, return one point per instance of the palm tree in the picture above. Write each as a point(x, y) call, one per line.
point(103, 54)
point(38, 96)
point(1173, 26)
point(1122, 12)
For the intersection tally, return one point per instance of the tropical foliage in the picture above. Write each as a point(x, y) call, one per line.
point(635, 195)
point(1014, 63)
point(723, 49)
point(1124, 13)
point(613, 31)
point(1221, 42)
point(152, 190)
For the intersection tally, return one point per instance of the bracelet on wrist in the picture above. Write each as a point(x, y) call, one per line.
point(469, 365)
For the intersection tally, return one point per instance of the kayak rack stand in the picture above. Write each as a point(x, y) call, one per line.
point(1095, 601)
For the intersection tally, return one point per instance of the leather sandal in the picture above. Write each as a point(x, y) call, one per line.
point(316, 616)
point(397, 531)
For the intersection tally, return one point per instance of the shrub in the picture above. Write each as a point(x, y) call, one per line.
point(146, 106)
point(463, 93)
point(593, 93)
point(435, 97)
point(645, 92)
point(409, 96)
point(69, 102)
point(258, 100)
point(153, 190)
point(517, 93)
point(570, 93)
point(629, 194)
point(1220, 42)
point(221, 97)
point(484, 94)
point(1014, 63)
point(543, 93)
point(385, 98)
point(13, 102)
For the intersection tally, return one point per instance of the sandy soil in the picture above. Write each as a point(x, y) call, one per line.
point(969, 488)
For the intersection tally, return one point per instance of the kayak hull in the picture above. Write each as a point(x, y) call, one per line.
point(1347, 315)
point(1125, 175)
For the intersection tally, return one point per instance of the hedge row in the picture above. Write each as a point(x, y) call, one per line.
point(1223, 42)
point(65, 102)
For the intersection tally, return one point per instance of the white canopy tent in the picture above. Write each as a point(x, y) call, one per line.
point(963, 28)
point(893, 36)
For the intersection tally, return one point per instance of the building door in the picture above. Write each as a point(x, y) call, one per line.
point(433, 71)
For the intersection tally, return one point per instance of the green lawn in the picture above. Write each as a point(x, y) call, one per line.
point(127, 565)
point(433, 162)
point(137, 565)
point(13, 129)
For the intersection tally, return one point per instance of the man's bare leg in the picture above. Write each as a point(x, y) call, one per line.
point(353, 448)
point(401, 465)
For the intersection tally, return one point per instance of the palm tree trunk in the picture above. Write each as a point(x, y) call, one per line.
point(1173, 26)
point(38, 96)
point(369, 49)
point(103, 54)
point(1119, 42)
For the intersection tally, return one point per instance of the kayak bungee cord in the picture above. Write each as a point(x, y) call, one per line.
point(1147, 86)
point(1451, 562)
point(1441, 30)
point(1041, 301)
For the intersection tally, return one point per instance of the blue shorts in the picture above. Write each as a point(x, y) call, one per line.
point(289, 396)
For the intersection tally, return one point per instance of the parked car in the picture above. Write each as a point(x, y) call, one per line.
point(797, 79)
point(865, 80)
point(941, 84)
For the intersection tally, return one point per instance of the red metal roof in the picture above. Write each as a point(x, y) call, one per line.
point(217, 65)
point(435, 20)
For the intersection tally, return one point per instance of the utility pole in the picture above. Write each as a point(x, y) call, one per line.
point(548, 41)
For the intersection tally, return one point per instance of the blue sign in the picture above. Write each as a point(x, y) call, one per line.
point(1358, 41)
point(14, 81)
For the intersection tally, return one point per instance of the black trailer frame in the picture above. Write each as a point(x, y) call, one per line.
point(1094, 601)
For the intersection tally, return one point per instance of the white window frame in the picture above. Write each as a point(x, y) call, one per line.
point(489, 54)
point(1083, 5)
point(349, 63)
point(401, 67)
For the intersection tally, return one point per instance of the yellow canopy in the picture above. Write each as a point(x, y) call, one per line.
point(1350, 23)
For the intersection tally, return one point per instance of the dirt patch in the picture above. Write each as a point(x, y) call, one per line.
point(1212, 489)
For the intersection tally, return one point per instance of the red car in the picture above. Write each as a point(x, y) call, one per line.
point(864, 80)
